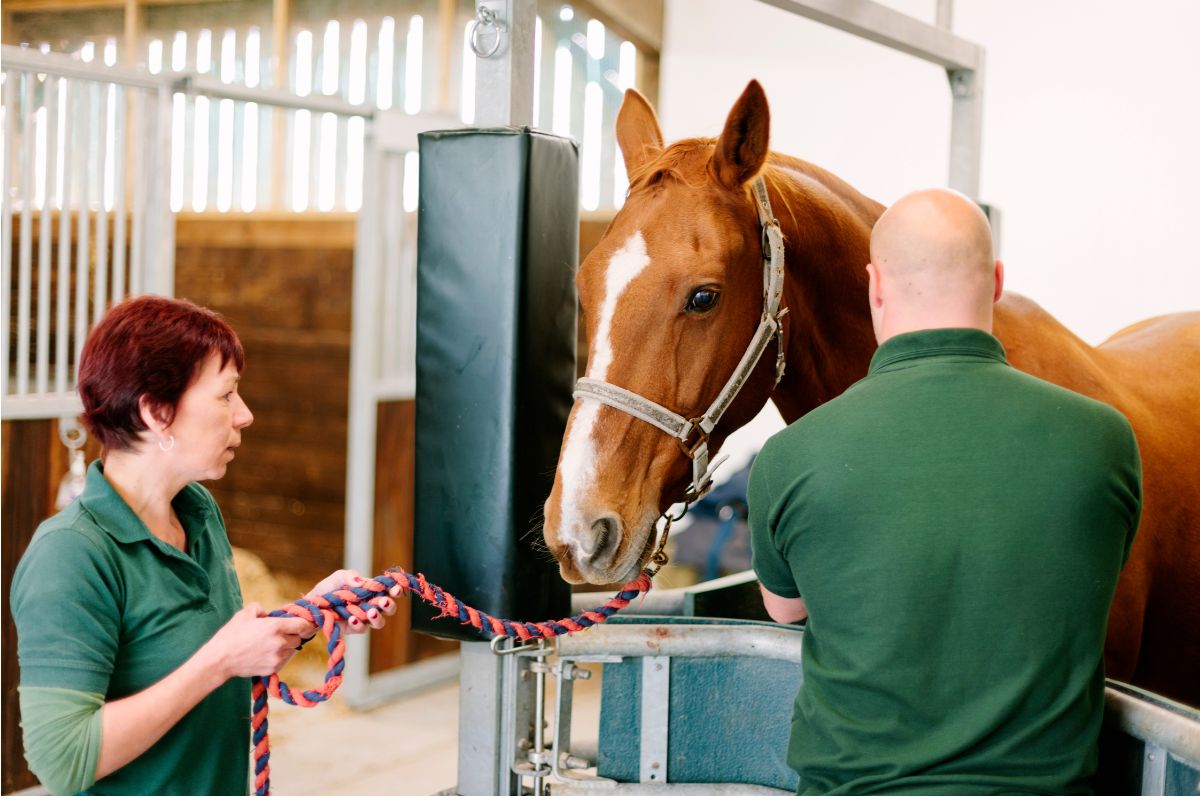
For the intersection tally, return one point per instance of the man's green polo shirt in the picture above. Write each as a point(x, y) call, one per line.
point(956, 528)
point(104, 607)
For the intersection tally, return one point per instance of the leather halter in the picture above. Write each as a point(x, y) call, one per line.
point(692, 434)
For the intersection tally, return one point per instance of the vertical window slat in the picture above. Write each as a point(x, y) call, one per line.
point(83, 137)
point(46, 236)
point(27, 153)
point(119, 221)
point(62, 329)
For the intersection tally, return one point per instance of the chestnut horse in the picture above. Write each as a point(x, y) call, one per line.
point(688, 234)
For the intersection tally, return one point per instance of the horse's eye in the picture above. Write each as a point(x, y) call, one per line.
point(702, 300)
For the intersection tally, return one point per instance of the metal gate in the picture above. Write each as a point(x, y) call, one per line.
point(91, 147)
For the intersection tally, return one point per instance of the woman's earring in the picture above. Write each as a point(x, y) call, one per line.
point(166, 447)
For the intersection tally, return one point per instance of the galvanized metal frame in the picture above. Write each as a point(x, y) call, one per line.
point(43, 395)
point(963, 61)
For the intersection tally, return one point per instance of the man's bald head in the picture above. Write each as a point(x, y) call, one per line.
point(932, 265)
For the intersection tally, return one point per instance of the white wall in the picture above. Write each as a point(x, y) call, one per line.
point(1091, 142)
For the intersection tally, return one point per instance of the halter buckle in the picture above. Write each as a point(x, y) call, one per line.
point(686, 444)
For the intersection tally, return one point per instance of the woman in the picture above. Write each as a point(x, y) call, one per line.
point(134, 655)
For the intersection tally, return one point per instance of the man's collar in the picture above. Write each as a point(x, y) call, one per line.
point(937, 342)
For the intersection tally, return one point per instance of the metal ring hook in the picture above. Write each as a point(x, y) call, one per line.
point(485, 18)
point(71, 433)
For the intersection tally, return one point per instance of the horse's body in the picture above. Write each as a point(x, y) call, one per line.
point(688, 226)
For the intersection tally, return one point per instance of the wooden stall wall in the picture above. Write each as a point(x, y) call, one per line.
point(283, 281)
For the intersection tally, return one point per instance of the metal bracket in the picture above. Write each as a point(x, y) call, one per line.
point(656, 699)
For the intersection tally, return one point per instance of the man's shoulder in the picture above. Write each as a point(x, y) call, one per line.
point(824, 424)
point(1032, 391)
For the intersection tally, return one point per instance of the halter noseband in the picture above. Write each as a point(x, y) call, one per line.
point(692, 434)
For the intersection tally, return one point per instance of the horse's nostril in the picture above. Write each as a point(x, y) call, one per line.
point(606, 536)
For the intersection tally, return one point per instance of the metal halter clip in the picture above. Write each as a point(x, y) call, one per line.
point(686, 444)
point(659, 559)
point(780, 354)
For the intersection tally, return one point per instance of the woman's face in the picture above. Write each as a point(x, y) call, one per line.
point(208, 421)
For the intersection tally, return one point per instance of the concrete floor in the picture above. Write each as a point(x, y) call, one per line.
point(407, 747)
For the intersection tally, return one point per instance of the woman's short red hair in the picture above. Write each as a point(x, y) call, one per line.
point(149, 346)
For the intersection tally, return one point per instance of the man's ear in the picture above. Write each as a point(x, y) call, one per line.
point(874, 290)
point(999, 281)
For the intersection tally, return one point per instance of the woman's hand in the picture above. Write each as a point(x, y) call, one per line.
point(376, 610)
point(253, 644)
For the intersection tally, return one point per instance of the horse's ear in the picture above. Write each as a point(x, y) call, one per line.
point(637, 131)
point(742, 148)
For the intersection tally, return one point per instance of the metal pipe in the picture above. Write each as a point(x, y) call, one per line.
point(160, 270)
point(1176, 731)
point(28, 60)
point(119, 114)
point(6, 224)
point(46, 237)
point(100, 284)
point(62, 325)
point(539, 718)
point(83, 136)
point(28, 152)
point(137, 248)
point(316, 103)
point(878, 23)
point(945, 14)
point(640, 640)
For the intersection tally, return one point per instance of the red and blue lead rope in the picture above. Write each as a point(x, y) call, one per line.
point(345, 604)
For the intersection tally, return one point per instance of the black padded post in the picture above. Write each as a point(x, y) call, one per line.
point(497, 249)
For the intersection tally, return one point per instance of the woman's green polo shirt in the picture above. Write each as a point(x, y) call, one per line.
point(956, 528)
point(105, 608)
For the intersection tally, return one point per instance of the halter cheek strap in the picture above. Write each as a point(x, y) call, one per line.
point(692, 434)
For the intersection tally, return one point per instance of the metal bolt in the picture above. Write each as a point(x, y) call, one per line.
point(658, 667)
point(1150, 756)
point(653, 765)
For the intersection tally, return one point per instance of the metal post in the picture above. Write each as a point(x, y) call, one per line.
point(502, 38)
point(161, 270)
point(966, 128)
point(491, 701)
point(945, 14)
point(494, 713)
point(360, 447)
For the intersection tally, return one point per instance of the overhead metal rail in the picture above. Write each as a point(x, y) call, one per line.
point(963, 61)
point(878, 23)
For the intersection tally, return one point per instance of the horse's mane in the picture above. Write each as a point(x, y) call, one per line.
point(669, 163)
point(817, 184)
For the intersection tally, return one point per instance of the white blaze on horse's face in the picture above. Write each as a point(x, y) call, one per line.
point(593, 536)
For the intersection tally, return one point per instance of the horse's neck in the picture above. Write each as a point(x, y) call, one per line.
point(827, 230)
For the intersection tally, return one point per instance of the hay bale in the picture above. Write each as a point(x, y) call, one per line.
point(272, 591)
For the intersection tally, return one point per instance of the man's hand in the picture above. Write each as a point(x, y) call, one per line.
point(788, 610)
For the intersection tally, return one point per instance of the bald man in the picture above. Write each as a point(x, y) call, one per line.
point(952, 530)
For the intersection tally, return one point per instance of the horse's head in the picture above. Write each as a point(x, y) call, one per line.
point(671, 295)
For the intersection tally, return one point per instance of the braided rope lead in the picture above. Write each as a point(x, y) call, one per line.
point(344, 604)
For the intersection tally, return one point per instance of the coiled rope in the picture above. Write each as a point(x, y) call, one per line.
point(345, 604)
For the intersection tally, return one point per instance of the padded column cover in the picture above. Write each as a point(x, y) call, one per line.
point(497, 250)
